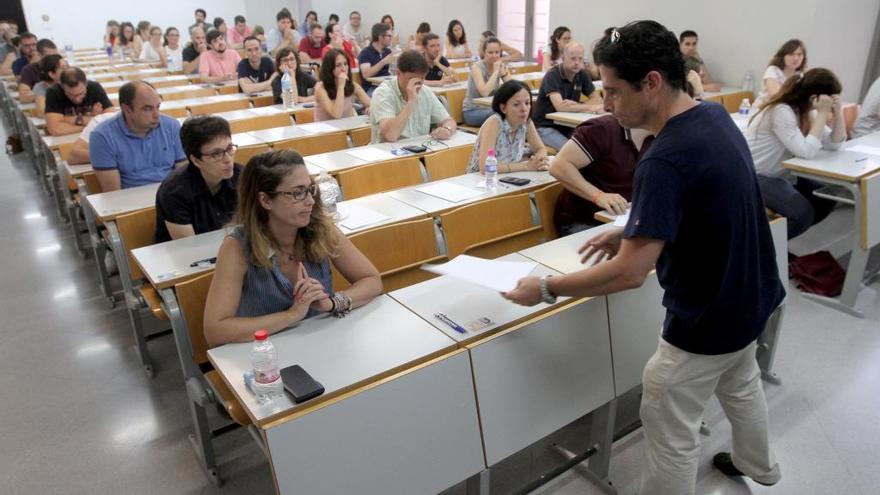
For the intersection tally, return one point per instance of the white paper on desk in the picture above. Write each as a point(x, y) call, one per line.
point(266, 110)
point(317, 127)
point(450, 191)
point(501, 276)
point(868, 150)
point(370, 154)
point(620, 220)
point(354, 216)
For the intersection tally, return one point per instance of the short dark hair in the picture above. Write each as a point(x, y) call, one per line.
point(314, 26)
point(641, 47)
point(72, 76)
point(333, 18)
point(27, 35)
point(239, 18)
point(506, 92)
point(197, 131)
point(218, 21)
point(49, 63)
point(379, 29)
point(128, 91)
point(202, 11)
point(412, 61)
point(423, 28)
point(143, 26)
point(249, 38)
point(282, 14)
point(353, 12)
point(687, 33)
point(311, 12)
point(213, 35)
point(45, 44)
point(428, 37)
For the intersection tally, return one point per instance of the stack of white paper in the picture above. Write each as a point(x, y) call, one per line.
point(266, 110)
point(501, 276)
point(450, 191)
point(370, 154)
point(861, 148)
point(353, 216)
point(317, 127)
point(620, 220)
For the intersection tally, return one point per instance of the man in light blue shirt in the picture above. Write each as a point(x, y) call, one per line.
point(139, 146)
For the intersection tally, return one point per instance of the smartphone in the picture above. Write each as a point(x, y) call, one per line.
point(516, 181)
point(300, 384)
point(414, 148)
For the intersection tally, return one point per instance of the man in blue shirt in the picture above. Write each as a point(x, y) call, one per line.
point(140, 145)
point(376, 57)
point(697, 215)
point(27, 49)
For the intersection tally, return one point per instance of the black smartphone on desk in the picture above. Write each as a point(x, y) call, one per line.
point(300, 384)
point(516, 181)
point(414, 148)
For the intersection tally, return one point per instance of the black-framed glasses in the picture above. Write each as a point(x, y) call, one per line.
point(434, 142)
point(299, 193)
point(218, 154)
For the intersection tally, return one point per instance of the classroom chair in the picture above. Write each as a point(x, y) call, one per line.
point(397, 251)
point(455, 99)
point(513, 226)
point(448, 163)
point(226, 89)
point(219, 107)
point(314, 145)
point(380, 176)
point(850, 115)
point(175, 112)
point(545, 201)
point(102, 78)
point(732, 101)
point(195, 92)
point(361, 137)
point(246, 152)
point(263, 101)
point(304, 115)
point(169, 84)
point(258, 122)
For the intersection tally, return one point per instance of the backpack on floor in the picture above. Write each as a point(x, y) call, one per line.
point(817, 273)
point(13, 145)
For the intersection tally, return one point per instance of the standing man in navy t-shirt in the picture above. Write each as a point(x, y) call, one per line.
point(697, 215)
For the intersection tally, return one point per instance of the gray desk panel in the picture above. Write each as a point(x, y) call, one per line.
point(636, 319)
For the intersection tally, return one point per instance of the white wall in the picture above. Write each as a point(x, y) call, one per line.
point(736, 36)
point(263, 12)
point(83, 22)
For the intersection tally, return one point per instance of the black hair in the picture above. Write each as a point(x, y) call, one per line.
point(423, 28)
point(506, 92)
point(172, 28)
point(559, 32)
point(239, 18)
point(202, 11)
point(328, 67)
point(428, 37)
point(333, 18)
point(451, 37)
point(123, 41)
point(329, 29)
point(249, 38)
point(197, 131)
point(27, 35)
point(282, 14)
point(73, 76)
point(218, 21)
point(128, 91)
point(49, 63)
point(687, 33)
point(788, 48)
point(45, 44)
point(641, 47)
point(282, 53)
point(311, 12)
point(213, 35)
point(379, 29)
point(388, 16)
point(412, 61)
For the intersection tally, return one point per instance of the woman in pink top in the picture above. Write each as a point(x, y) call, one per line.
point(335, 91)
point(336, 40)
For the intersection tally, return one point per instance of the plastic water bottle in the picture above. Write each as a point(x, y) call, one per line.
point(491, 170)
point(286, 89)
point(745, 106)
point(109, 47)
point(392, 67)
point(748, 81)
point(264, 359)
point(330, 192)
point(169, 63)
point(68, 53)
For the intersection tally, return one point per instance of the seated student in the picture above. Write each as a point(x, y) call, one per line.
point(153, 51)
point(51, 67)
point(284, 34)
point(596, 167)
point(692, 67)
point(439, 72)
point(402, 110)
point(560, 91)
point(200, 16)
point(510, 132)
point(311, 47)
point(8, 47)
point(790, 59)
point(335, 40)
point(287, 60)
point(139, 145)
point(273, 270)
point(485, 77)
point(456, 41)
point(311, 18)
point(141, 36)
point(256, 72)
point(79, 152)
point(201, 195)
point(335, 92)
point(414, 42)
point(239, 33)
point(389, 21)
point(793, 123)
point(508, 53)
point(354, 31)
point(72, 102)
point(687, 42)
point(27, 49)
point(218, 64)
point(30, 74)
point(111, 34)
point(869, 115)
point(173, 49)
point(126, 39)
point(552, 54)
point(376, 57)
point(192, 52)
point(220, 25)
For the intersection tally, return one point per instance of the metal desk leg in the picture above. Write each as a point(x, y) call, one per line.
point(73, 212)
point(98, 249)
point(602, 431)
point(767, 344)
point(132, 304)
point(478, 484)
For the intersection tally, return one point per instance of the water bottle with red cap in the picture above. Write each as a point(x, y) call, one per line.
point(264, 359)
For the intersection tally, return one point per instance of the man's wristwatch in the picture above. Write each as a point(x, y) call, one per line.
point(546, 296)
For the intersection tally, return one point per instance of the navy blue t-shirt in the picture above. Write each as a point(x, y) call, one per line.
point(696, 190)
point(369, 55)
point(267, 68)
point(18, 64)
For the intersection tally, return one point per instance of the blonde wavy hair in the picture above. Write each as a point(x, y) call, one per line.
point(264, 173)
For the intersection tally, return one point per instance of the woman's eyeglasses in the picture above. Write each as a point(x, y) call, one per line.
point(218, 154)
point(299, 193)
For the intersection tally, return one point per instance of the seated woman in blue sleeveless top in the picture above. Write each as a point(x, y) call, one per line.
point(273, 270)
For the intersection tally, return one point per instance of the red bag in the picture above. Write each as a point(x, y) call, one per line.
point(817, 273)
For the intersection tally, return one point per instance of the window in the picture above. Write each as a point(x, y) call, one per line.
point(513, 24)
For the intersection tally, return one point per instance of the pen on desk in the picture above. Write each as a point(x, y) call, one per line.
point(206, 260)
point(445, 319)
point(861, 159)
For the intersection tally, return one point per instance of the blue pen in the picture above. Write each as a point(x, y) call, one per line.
point(445, 319)
point(861, 159)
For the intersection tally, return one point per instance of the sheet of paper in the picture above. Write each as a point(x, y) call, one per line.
point(450, 191)
point(620, 220)
point(501, 276)
point(352, 216)
point(868, 150)
point(266, 110)
point(370, 154)
point(317, 127)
